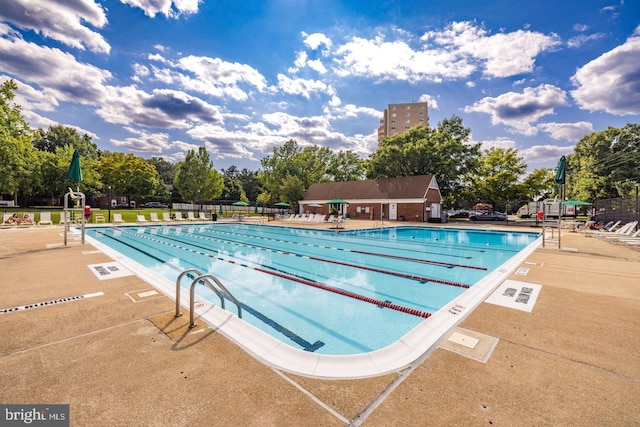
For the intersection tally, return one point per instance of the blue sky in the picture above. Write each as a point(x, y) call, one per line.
point(160, 77)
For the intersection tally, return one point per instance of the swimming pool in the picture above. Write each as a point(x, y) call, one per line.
point(329, 293)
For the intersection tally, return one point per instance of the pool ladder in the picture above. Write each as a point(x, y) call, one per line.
point(210, 281)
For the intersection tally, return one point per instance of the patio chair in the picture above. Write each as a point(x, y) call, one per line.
point(27, 219)
point(154, 217)
point(45, 218)
point(190, 216)
point(117, 218)
point(8, 215)
point(179, 216)
point(141, 219)
point(166, 217)
point(202, 216)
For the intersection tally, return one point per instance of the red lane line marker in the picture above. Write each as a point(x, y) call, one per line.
point(396, 307)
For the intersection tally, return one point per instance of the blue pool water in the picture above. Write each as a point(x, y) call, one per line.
point(323, 291)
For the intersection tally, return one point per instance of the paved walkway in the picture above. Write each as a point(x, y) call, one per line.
point(119, 357)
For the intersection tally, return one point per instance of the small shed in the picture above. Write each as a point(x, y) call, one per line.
point(407, 198)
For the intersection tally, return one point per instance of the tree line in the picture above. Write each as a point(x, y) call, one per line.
point(34, 164)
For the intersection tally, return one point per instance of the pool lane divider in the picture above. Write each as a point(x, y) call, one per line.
point(330, 261)
point(425, 261)
point(301, 280)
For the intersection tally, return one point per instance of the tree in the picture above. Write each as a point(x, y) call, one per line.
point(292, 190)
point(250, 183)
point(309, 165)
point(53, 173)
point(346, 166)
point(58, 136)
point(498, 176)
point(444, 151)
point(196, 179)
point(128, 175)
point(18, 158)
point(605, 164)
point(539, 185)
point(232, 185)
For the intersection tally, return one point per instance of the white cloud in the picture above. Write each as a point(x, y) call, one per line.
point(163, 108)
point(168, 8)
point(59, 72)
point(578, 41)
point(544, 154)
point(502, 55)
point(303, 87)
point(315, 40)
point(567, 131)
point(146, 142)
point(210, 76)
point(611, 82)
point(61, 20)
point(500, 142)
point(432, 103)
point(519, 110)
point(456, 52)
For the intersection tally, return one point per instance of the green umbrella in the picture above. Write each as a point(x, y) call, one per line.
point(75, 173)
point(337, 202)
point(282, 204)
point(573, 202)
point(241, 203)
point(562, 170)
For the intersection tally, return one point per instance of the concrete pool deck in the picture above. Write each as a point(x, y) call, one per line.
point(118, 355)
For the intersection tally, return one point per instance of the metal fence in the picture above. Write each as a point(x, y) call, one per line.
point(623, 209)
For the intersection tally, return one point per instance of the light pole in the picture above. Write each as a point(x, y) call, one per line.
point(109, 202)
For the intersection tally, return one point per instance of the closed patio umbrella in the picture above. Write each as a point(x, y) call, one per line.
point(75, 173)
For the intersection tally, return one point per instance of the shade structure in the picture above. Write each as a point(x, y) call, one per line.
point(240, 203)
point(573, 202)
point(282, 204)
point(337, 202)
point(562, 171)
point(75, 173)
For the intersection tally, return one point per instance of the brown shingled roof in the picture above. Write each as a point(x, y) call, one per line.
point(405, 187)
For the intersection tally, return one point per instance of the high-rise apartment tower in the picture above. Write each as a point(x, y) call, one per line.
point(399, 118)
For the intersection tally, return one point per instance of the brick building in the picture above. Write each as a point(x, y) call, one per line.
point(409, 198)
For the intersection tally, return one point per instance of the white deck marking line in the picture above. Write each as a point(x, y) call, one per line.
point(50, 302)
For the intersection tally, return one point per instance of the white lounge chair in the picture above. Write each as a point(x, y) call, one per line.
point(154, 217)
point(179, 216)
point(166, 217)
point(8, 215)
point(190, 216)
point(28, 218)
point(202, 216)
point(117, 218)
point(142, 219)
point(45, 218)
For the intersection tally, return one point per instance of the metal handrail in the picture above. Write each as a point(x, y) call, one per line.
point(184, 273)
point(205, 280)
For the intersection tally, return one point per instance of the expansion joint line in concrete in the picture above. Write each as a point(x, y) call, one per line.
point(312, 396)
point(86, 334)
point(582, 362)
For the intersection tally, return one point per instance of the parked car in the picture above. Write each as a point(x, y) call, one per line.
point(462, 213)
point(488, 216)
point(123, 206)
point(156, 205)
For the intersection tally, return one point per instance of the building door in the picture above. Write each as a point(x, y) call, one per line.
point(393, 211)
